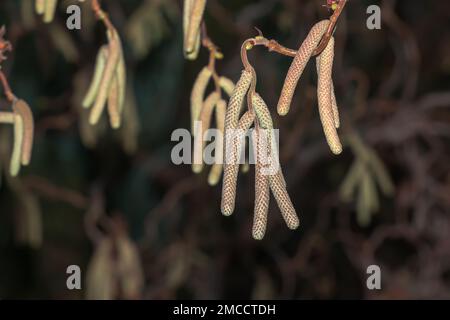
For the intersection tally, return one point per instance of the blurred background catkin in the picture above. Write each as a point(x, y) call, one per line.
point(139, 226)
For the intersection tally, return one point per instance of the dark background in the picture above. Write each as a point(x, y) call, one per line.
point(393, 88)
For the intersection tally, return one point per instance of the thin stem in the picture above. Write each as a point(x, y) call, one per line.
point(102, 15)
point(274, 46)
point(5, 46)
point(214, 53)
point(6, 88)
point(329, 33)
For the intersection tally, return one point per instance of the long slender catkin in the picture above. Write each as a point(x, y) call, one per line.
point(49, 11)
point(187, 10)
point(216, 169)
point(324, 98)
point(39, 6)
point(198, 94)
point(100, 63)
point(231, 170)
point(334, 105)
point(16, 155)
point(113, 104)
point(298, 65)
point(276, 181)
point(262, 191)
point(227, 85)
point(278, 187)
point(121, 75)
point(195, 19)
point(21, 108)
point(205, 120)
point(262, 197)
point(108, 74)
point(337, 121)
point(236, 100)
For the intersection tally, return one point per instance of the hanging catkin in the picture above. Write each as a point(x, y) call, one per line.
point(227, 85)
point(189, 53)
point(107, 77)
point(236, 100)
point(276, 180)
point(298, 65)
point(262, 188)
point(100, 63)
point(21, 108)
point(202, 126)
point(16, 155)
point(195, 17)
point(46, 8)
point(231, 169)
point(108, 84)
point(198, 95)
point(216, 169)
point(324, 97)
point(231, 165)
point(262, 195)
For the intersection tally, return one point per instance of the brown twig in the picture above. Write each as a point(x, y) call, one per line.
point(214, 54)
point(329, 33)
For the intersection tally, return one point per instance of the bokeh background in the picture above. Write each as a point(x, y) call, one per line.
point(141, 227)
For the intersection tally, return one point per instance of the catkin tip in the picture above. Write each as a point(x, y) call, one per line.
point(294, 224)
point(258, 236)
point(227, 210)
point(337, 149)
point(213, 180)
point(197, 168)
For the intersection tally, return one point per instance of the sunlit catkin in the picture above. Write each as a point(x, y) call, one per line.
point(193, 26)
point(298, 65)
point(202, 126)
point(227, 85)
point(216, 169)
point(324, 97)
point(113, 104)
point(100, 63)
point(107, 77)
point(189, 53)
point(46, 8)
point(39, 6)
point(198, 95)
point(50, 8)
point(21, 108)
point(121, 76)
point(16, 155)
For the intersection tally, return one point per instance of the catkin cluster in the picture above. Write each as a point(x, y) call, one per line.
point(265, 155)
point(192, 18)
point(22, 120)
point(202, 109)
point(108, 84)
point(328, 109)
point(360, 182)
point(46, 8)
